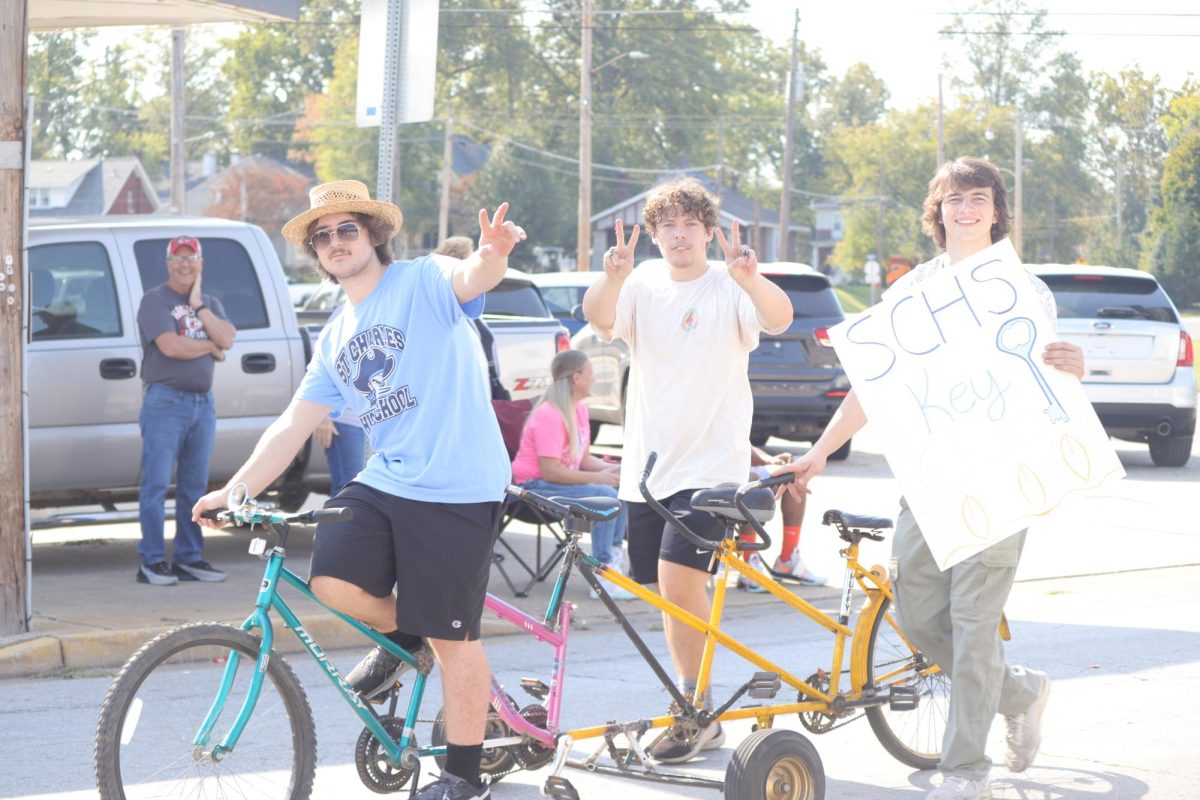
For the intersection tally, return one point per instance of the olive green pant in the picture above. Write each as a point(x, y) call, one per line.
point(954, 617)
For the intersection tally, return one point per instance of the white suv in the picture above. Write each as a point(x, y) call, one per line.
point(1138, 355)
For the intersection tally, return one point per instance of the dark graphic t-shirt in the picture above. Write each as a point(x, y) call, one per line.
point(164, 310)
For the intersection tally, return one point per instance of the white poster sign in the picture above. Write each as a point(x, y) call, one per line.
point(417, 46)
point(982, 436)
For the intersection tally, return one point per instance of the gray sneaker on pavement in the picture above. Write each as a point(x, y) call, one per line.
point(955, 787)
point(156, 574)
point(676, 747)
point(452, 787)
point(1024, 731)
point(197, 571)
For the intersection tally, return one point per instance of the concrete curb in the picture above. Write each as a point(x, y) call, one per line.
point(28, 656)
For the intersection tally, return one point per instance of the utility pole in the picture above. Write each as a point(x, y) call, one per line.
point(1119, 218)
point(879, 254)
point(447, 171)
point(785, 201)
point(178, 132)
point(387, 186)
point(758, 237)
point(583, 243)
point(720, 156)
point(1016, 237)
point(14, 574)
point(941, 133)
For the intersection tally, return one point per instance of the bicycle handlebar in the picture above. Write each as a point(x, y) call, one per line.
point(256, 516)
point(699, 541)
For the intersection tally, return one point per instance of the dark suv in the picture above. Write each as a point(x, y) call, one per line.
point(796, 378)
point(1137, 353)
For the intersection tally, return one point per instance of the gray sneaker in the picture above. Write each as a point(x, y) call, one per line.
point(676, 747)
point(156, 574)
point(197, 571)
point(1024, 731)
point(380, 670)
point(452, 787)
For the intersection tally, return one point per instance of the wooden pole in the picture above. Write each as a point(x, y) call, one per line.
point(14, 612)
point(583, 244)
point(178, 125)
point(785, 198)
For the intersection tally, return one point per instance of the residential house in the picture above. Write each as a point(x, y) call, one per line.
point(90, 187)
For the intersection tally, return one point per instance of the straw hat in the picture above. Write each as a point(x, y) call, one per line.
point(338, 196)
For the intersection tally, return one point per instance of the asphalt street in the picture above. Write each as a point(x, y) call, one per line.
point(1106, 603)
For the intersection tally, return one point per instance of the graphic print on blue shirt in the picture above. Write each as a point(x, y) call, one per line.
point(365, 363)
point(406, 362)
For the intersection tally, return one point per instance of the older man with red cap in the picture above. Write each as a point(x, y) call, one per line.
point(184, 333)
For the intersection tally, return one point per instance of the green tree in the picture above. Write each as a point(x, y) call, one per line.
point(272, 68)
point(1006, 43)
point(1172, 248)
point(55, 80)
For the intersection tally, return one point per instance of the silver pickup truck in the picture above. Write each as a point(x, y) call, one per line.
point(527, 334)
point(86, 278)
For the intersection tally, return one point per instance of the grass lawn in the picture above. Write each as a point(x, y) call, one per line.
point(855, 297)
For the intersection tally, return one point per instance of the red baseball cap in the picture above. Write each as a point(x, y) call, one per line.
point(183, 241)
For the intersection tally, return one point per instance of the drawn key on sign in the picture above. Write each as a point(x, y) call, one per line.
point(1016, 337)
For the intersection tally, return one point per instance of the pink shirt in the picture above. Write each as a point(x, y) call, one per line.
point(545, 436)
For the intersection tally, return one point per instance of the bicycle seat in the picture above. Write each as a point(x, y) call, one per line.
point(719, 501)
point(597, 509)
point(843, 520)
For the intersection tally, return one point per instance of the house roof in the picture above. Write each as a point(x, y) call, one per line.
point(203, 193)
point(734, 206)
point(97, 182)
point(57, 174)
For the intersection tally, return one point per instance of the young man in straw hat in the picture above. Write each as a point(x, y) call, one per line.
point(402, 357)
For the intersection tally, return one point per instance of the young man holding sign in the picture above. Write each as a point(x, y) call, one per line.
point(953, 615)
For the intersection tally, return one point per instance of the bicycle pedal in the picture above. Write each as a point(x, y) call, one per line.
point(764, 685)
point(535, 687)
point(903, 698)
point(559, 788)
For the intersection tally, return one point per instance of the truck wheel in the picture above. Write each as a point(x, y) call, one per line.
point(1172, 451)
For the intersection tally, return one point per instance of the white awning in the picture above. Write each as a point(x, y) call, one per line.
point(46, 15)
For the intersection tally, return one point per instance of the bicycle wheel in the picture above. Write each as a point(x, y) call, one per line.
point(164, 692)
point(914, 736)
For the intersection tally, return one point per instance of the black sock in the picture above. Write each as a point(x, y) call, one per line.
point(406, 640)
point(462, 761)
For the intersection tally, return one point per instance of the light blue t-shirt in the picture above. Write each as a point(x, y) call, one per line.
point(405, 362)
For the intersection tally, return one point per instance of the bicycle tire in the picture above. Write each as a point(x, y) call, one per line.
point(912, 737)
point(164, 692)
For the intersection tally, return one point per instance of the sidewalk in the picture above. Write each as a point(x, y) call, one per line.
point(90, 613)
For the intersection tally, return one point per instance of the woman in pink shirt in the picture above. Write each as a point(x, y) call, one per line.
point(553, 457)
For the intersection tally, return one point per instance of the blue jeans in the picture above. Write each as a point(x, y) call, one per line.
point(178, 432)
point(345, 455)
point(607, 537)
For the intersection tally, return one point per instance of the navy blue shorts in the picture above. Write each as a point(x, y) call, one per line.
point(652, 538)
point(437, 556)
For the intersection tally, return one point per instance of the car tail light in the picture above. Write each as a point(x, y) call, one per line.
point(822, 336)
point(1186, 358)
point(562, 342)
point(837, 393)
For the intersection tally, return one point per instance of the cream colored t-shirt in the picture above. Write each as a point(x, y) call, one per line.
point(689, 394)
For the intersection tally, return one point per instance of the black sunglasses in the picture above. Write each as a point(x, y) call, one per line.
point(345, 232)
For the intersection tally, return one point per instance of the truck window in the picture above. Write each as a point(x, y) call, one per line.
point(228, 273)
point(71, 292)
point(512, 299)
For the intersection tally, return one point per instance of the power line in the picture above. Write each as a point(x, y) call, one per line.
point(948, 32)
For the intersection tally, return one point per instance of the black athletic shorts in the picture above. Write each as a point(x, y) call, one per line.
point(438, 556)
point(652, 538)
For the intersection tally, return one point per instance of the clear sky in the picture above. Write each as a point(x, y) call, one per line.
point(900, 41)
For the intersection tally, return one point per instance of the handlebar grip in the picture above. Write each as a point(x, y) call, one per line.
point(338, 514)
point(649, 465)
point(218, 514)
point(777, 480)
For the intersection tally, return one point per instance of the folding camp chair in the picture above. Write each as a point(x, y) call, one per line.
point(511, 414)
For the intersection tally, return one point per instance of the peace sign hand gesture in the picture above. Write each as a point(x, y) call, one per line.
point(739, 258)
point(498, 237)
point(618, 261)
